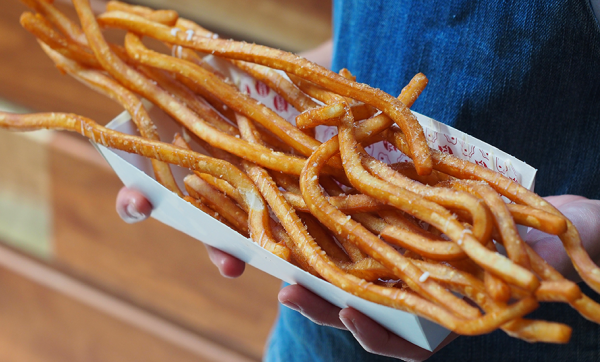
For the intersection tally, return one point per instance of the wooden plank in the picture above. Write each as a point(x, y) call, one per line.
point(28, 77)
point(287, 24)
point(150, 264)
point(49, 316)
point(25, 218)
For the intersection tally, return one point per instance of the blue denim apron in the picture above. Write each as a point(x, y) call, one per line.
point(521, 75)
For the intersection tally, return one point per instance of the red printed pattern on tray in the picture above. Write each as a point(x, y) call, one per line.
point(388, 153)
point(385, 151)
point(466, 151)
point(262, 93)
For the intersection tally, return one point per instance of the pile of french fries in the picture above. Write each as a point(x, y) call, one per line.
point(411, 236)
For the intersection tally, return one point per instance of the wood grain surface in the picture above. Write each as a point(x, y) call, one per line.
point(49, 316)
point(28, 77)
point(148, 267)
point(25, 205)
point(151, 264)
point(287, 24)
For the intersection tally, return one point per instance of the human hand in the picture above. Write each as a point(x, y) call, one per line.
point(372, 337)
point(133, 207)
point(585, 215)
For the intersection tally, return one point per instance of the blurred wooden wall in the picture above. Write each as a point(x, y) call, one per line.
point(287, 24)
point(77, 283)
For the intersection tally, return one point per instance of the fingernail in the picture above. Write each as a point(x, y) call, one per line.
point(349, 323)
point(131, 214)
point(291, 305)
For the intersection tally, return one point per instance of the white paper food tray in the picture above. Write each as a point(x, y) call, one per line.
point(136, 172)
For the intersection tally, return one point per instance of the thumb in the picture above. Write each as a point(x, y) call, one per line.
point(132, 206)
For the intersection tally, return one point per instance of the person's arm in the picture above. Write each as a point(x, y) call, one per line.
point(321, 55)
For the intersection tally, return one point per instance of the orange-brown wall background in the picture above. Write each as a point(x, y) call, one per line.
point(77, 283)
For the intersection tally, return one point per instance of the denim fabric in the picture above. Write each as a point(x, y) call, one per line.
point(295, 338)
point(521, 75)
